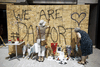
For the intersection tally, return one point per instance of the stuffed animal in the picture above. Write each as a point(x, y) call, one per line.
point(61, 58)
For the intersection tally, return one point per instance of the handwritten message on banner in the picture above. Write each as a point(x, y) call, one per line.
point(23, 19)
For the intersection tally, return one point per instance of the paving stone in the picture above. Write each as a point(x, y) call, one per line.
point(93, 61)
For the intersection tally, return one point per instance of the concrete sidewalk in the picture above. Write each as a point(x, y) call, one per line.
point(93, 61)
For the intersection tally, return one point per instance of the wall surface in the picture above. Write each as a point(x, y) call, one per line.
point(61, 23)
point(92, 22)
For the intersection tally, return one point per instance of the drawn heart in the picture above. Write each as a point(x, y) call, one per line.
point(78, 17)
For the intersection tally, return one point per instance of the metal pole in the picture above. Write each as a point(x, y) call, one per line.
point(16, 49)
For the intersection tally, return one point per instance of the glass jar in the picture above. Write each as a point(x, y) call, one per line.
point(9, 41)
